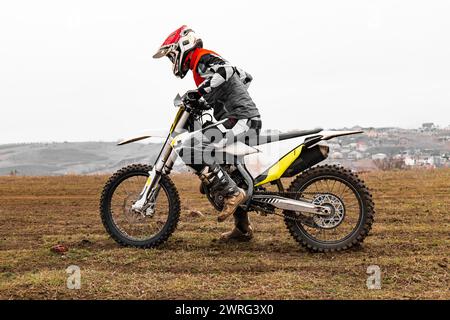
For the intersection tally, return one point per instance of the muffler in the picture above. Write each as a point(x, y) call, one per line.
point(308, 158)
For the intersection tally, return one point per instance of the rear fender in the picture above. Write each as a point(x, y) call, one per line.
point(327, 135)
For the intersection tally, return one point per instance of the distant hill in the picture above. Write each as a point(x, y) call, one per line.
point(423, 146)
point(72, 157)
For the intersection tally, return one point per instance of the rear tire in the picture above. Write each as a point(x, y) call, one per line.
point(106, 213)
point(366, 209)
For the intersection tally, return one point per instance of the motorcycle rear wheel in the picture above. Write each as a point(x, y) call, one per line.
point(351, 201)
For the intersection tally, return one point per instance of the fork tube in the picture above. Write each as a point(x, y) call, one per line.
point(167, 149)
point(165, 155)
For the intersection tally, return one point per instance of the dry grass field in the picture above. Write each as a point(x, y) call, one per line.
point(410, 241)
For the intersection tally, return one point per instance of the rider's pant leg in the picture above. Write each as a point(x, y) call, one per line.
point(209, 169)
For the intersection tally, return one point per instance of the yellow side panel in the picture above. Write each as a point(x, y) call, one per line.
point(276, 171)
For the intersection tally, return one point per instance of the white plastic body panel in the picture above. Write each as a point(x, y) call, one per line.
point(271, 153)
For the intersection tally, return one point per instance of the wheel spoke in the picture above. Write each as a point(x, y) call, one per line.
point(135, 225)
point(340, 196)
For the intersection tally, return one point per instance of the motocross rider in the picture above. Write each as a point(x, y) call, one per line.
point(224, 87)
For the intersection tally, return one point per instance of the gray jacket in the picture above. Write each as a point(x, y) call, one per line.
point(225, 88)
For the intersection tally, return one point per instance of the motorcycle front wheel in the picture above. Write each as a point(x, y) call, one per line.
point(350, 203)
point(130, 228)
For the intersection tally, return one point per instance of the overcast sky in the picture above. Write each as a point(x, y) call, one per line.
point(82, 70)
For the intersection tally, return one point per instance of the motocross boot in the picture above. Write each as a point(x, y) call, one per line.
point(231, 203)
point(219, 182)
point(242, 231)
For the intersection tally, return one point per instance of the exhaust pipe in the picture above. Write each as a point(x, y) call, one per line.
point(307, 159)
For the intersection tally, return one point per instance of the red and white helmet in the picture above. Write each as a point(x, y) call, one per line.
point(177, 46)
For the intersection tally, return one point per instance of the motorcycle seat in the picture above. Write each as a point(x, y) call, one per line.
point(267, 138)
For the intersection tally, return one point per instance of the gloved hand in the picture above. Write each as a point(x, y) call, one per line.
point(191, 96)
point(203, 105)
point(194, 100)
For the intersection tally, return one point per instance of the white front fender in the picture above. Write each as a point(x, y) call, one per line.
point(145, 135)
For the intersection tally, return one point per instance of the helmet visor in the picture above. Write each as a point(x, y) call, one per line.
point(162, 52)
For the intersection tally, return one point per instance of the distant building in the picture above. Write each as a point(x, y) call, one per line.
point(362, 147)
point(333, 145)
point(336, 155)
point(354, 155)
point(379, 156)
point(410, 161)
point(435, 161)
point(428, 126)
point(372, 133)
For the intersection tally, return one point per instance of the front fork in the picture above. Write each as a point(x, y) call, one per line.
point(149, 192)
point(163, 165)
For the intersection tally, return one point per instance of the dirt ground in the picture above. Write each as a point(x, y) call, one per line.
point(410, 242)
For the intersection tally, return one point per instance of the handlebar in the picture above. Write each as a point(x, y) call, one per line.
point(194, 100)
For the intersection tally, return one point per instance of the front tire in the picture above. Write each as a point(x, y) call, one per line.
point(319, 183)
point(119, 221)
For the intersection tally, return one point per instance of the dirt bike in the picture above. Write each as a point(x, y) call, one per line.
point(325, 208)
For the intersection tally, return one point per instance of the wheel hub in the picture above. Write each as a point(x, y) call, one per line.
point(134, 216)
point(336, 208)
